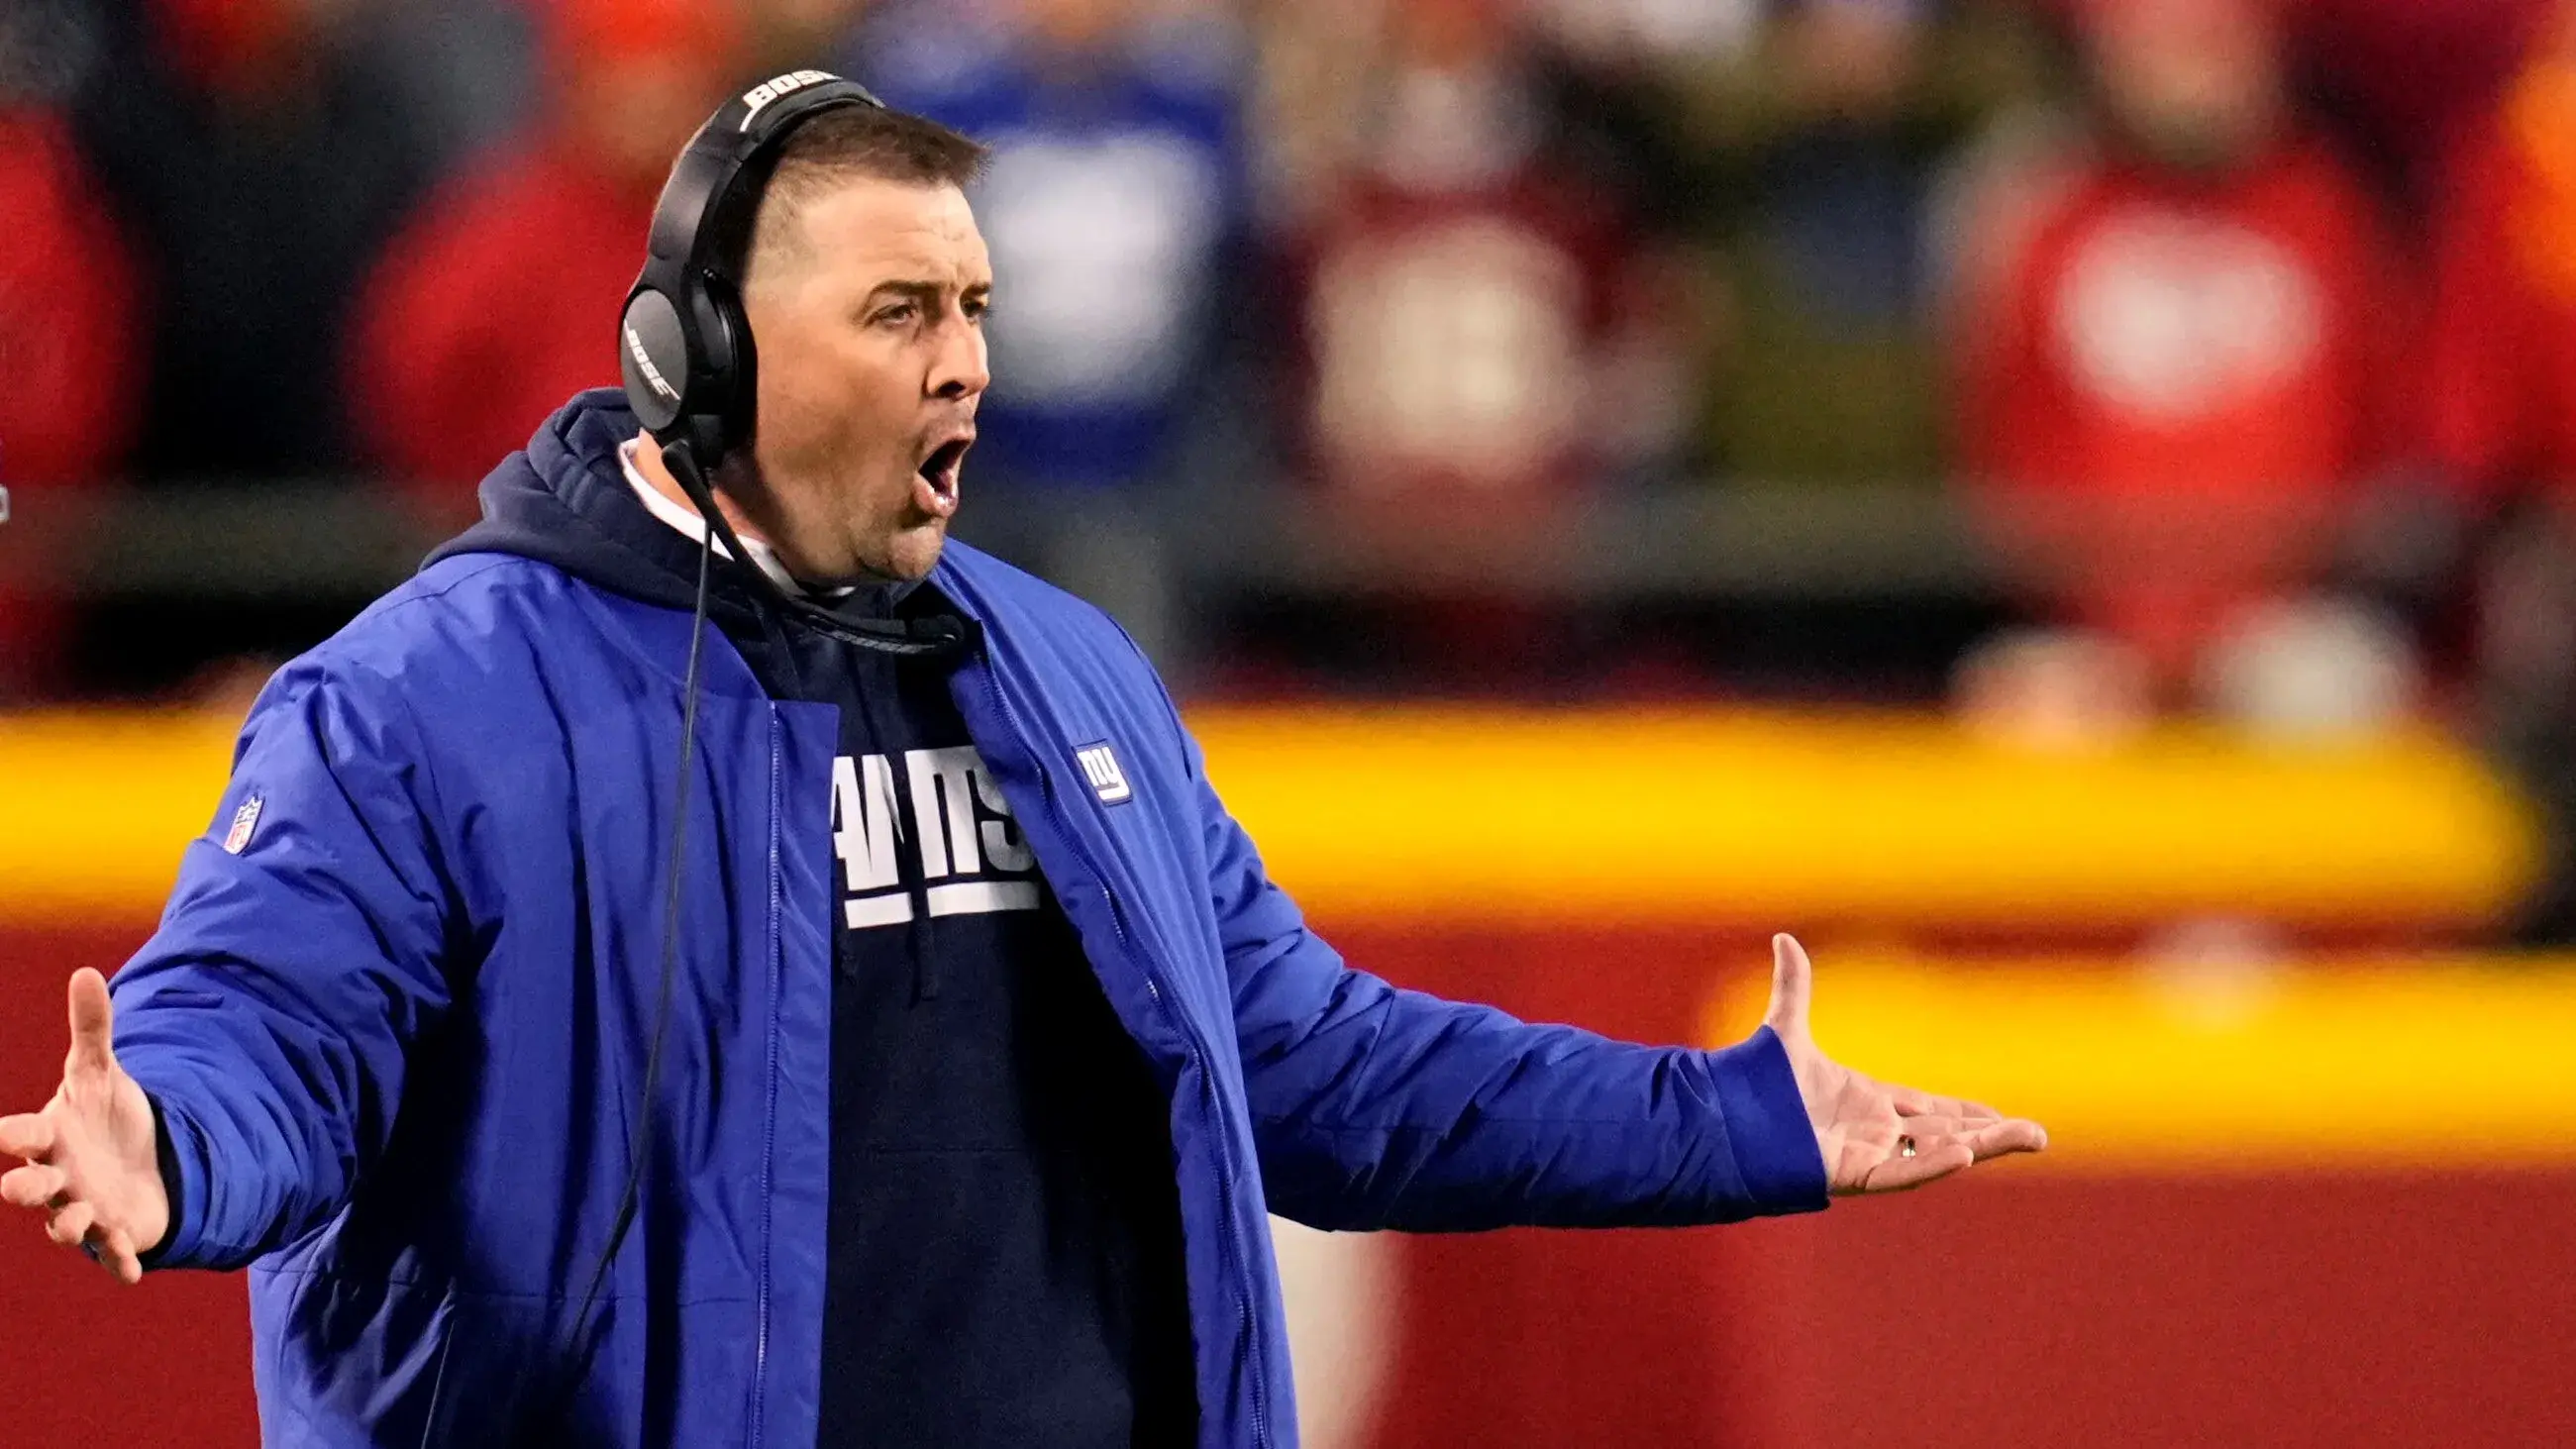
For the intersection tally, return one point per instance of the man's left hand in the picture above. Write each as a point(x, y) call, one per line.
point(1878, 1138)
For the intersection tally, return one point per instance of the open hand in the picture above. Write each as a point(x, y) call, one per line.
point(1878, 1138)
point(91, 1166)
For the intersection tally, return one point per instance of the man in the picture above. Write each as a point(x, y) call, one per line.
point(984, 1046)
point(2178, 378)
point(303, 152)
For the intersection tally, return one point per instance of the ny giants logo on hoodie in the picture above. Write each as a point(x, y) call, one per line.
point(973, 858)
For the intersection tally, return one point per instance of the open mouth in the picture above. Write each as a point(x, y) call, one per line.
point(939, 474)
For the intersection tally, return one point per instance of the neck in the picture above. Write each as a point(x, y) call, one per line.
point(648, 461)
point(762, 542)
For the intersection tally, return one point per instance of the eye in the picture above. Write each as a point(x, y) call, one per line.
point(978, 308)
point(893, 312)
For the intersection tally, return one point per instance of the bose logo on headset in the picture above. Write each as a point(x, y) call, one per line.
point(770, 90)
point(644, 363)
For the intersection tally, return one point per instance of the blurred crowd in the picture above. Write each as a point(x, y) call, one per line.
point(2244, 330)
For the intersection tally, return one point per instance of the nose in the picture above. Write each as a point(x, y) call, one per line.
point(963, 369)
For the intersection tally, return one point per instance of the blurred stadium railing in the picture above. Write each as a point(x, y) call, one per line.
point(1172, 564)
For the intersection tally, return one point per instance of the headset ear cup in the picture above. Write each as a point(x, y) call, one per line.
point(730, 406)
point(653, 358)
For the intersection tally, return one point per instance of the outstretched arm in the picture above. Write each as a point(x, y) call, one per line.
point(268, 1021)
point(1375, 1107)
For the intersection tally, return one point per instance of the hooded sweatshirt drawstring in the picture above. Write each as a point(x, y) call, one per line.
point(908, 863)
point(877, 679)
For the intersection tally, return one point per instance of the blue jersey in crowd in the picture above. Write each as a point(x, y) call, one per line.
point(1115, 202)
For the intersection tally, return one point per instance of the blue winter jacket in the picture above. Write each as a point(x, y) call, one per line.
point(396, 1014)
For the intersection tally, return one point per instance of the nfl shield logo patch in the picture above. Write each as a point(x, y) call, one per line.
point(245, 820)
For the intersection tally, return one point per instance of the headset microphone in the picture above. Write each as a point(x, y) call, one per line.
point(939, 635)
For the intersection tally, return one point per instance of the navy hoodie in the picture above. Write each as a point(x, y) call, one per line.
point(1004, 1256)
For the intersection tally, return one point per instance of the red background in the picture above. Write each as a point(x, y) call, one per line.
point(2033, 1307)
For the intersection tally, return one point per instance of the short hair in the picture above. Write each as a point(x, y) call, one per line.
point(849, 143)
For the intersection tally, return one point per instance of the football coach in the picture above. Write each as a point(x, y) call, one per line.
point(708, 962)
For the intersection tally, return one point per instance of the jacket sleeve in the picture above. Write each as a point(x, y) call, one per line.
point(1379, 1108)
point(302, 951)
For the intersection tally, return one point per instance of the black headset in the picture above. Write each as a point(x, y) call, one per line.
point(684, 343)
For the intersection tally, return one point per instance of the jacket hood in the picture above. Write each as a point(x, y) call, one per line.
point(564, 500)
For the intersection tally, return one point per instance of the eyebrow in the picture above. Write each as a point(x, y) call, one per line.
point(925, 293)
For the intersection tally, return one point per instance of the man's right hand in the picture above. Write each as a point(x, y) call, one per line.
point(92, 1167)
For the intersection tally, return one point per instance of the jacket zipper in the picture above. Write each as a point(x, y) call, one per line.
point(1197, 1051)
point(769, 1122)
point(1224, 1192)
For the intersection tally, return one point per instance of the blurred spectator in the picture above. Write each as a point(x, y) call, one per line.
point(2502, 427)
point(1828, 140)
point(467, 67)
point(2409, 80)
point(784, 35)
point(2173, 386)
point(1475, 320)
point(1115, 207)
point(1485, 344)
point(2053, 689)
point(1619, 76)
point(1312, 69)
point(68, 347)
point(498, 300)
point(260, 157)
point(2504, 336)
point(68, 307)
